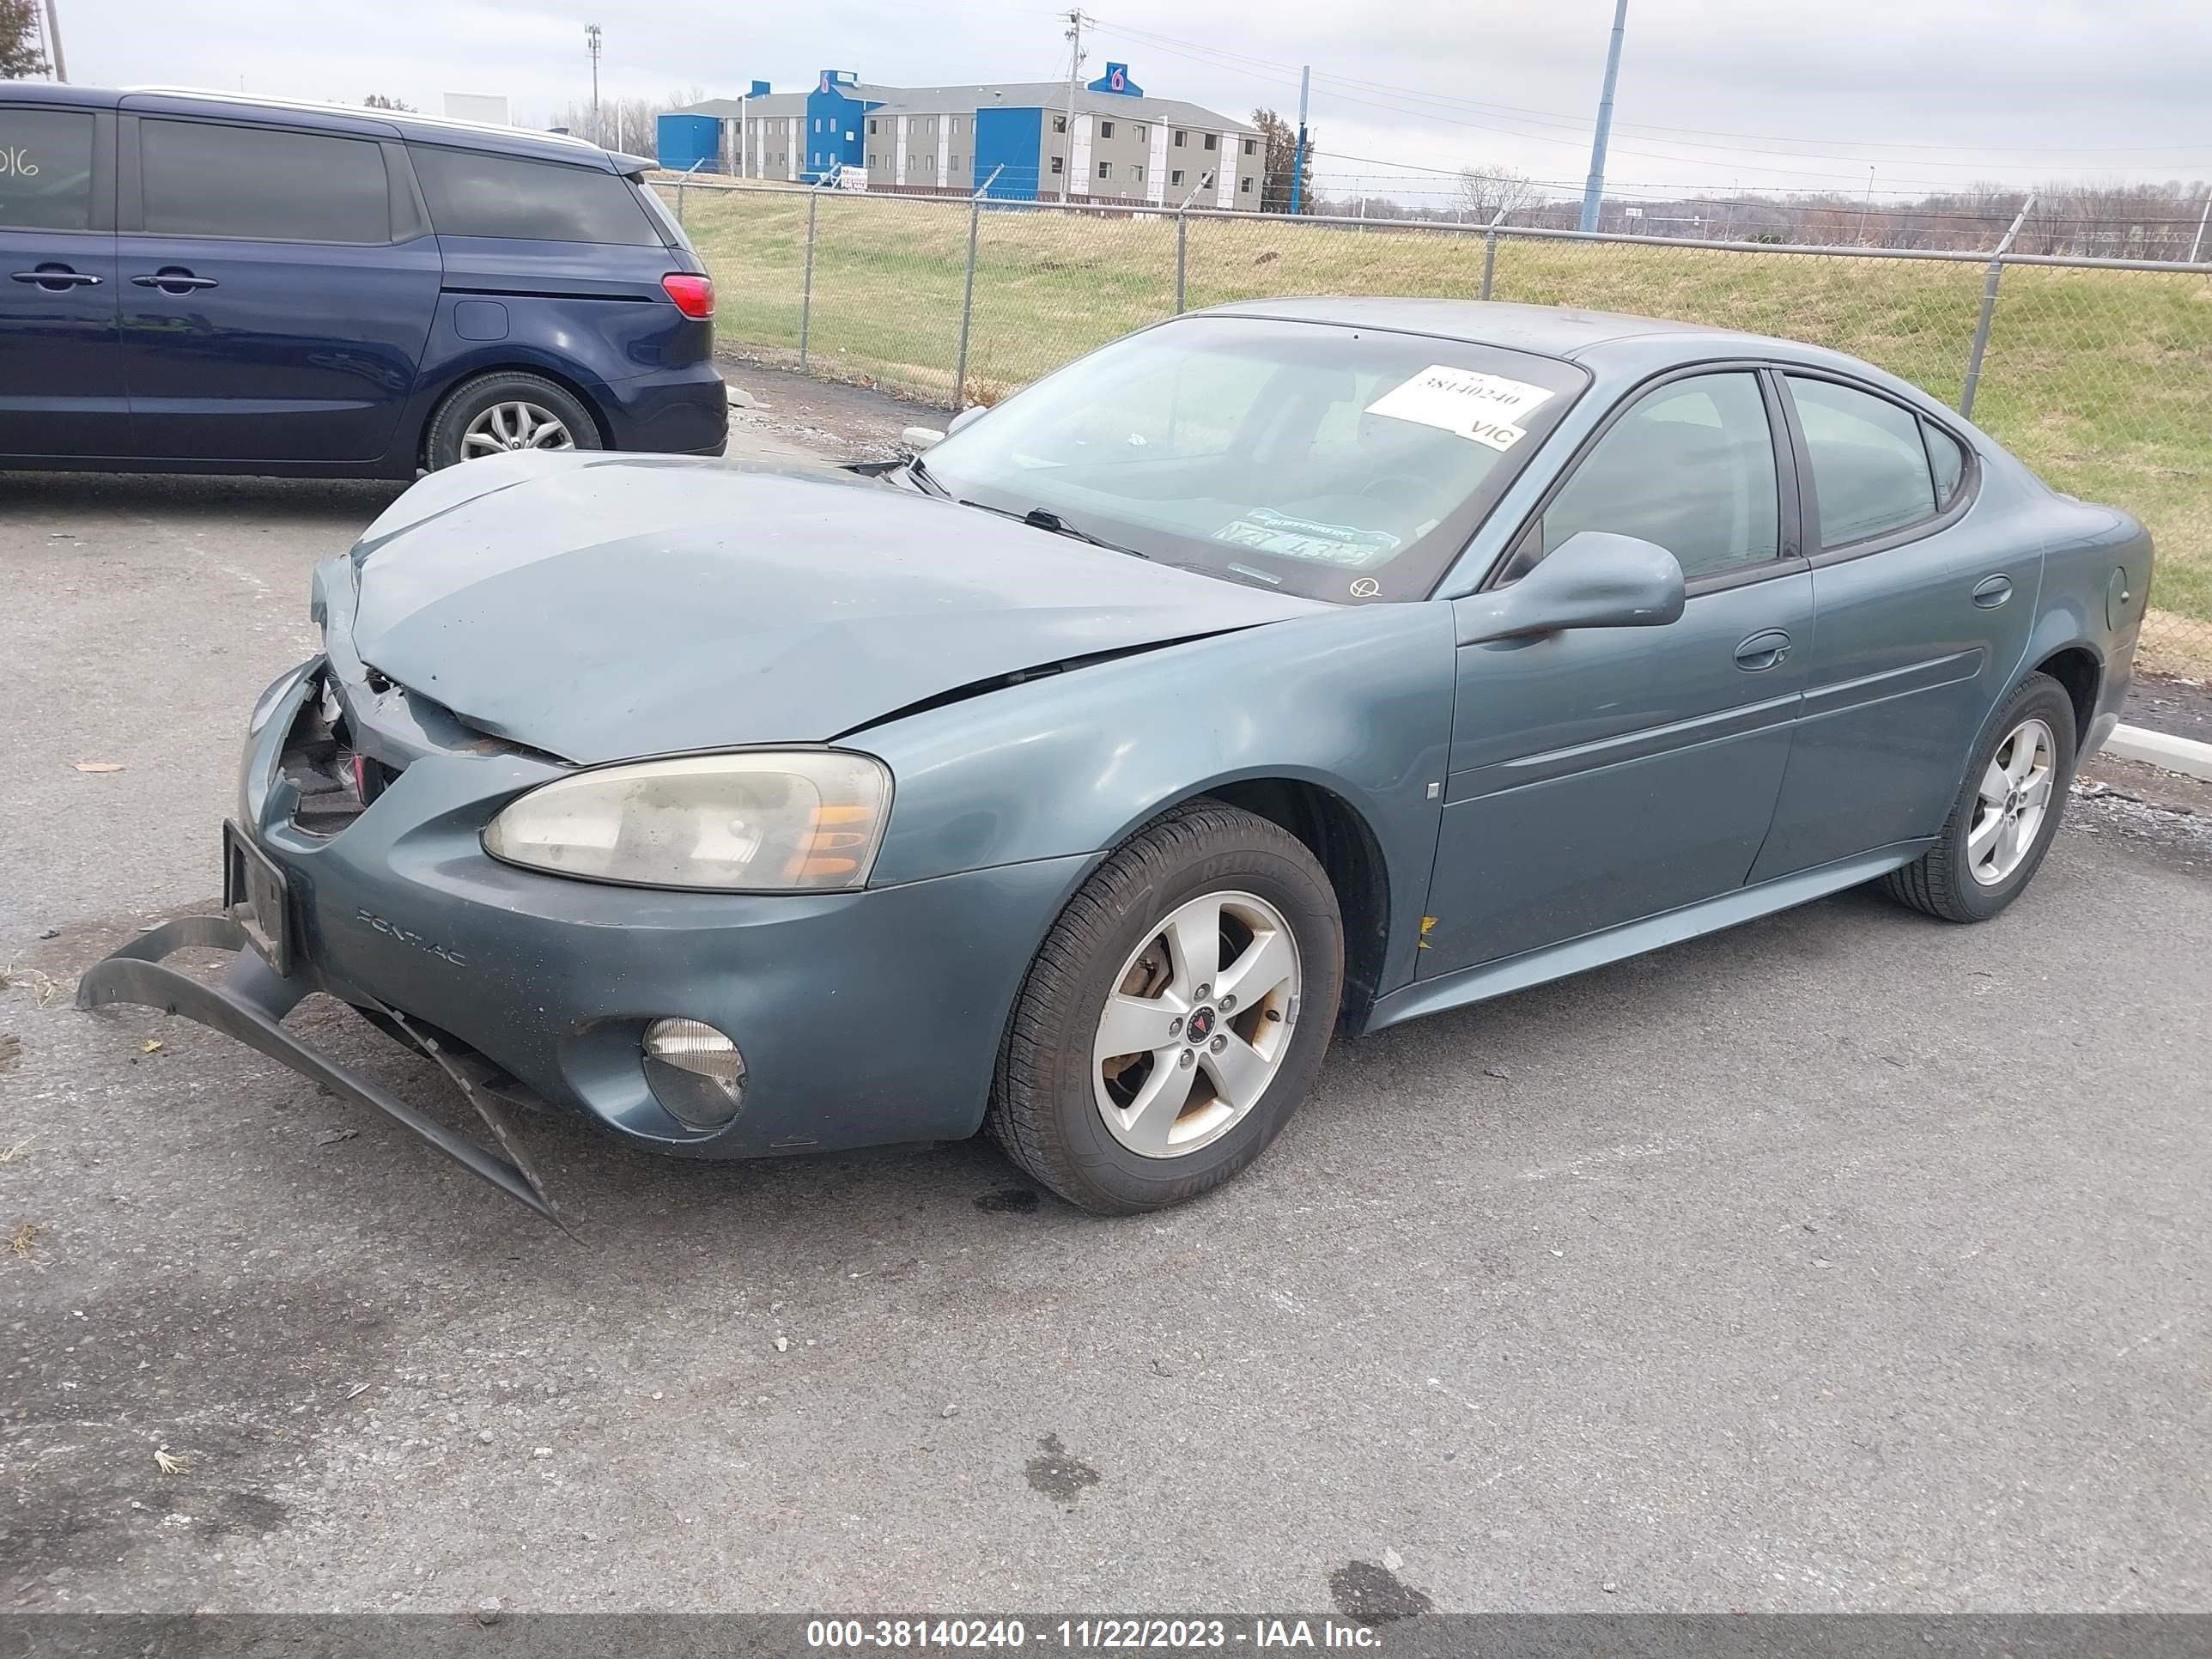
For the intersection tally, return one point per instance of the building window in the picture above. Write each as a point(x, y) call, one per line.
point(1105, 169)
point(1137, 173)
point(1143, 132)
point(1212, 141)
point(1181, 138)
point(1060, 123)
point(1057, 164)
point(1105, 129)
point(956, 126)
point(933, 167)
point(871, 126)
point(952, 165)
point(1244, 186)
point(872, 158)
point(913, 164)
point(1251, 145)
point(1175, 178)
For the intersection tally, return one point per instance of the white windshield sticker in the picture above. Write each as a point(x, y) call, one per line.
point(1265, 530)
point(1486, 408)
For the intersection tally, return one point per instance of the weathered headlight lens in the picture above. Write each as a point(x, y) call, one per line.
point(789, 821)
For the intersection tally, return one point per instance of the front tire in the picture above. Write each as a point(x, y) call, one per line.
point(2006, 814)
point(507, 412)
point(1175, 1016)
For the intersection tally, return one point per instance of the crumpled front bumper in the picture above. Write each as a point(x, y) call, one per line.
point(864, 1018)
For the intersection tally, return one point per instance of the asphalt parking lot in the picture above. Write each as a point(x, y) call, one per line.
point(1846, 1260)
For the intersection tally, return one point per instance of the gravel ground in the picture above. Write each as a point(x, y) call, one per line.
point(1846, 1261)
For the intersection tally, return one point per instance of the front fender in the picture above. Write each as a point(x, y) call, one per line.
point(1357, 701)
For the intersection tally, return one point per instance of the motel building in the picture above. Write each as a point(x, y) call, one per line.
point(1121, 146)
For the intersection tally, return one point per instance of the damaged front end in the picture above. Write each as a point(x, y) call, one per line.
point(310, 770)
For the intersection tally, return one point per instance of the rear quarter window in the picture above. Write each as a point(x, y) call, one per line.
point(474, 194)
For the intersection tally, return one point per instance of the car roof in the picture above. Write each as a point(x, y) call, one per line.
point(1616, 346)
point(332, 118)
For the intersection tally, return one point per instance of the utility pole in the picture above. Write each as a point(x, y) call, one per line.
point(1594, 191)
point(591, 42)
point(1299, 155)
point(2198, 246)
point(1868, 206)
point(1074, 64)
point(54, 43)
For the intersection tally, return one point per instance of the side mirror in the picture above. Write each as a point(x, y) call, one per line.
point(1593, 579)
point(967, 416)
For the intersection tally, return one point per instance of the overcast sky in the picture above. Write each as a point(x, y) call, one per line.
point(1774, 95)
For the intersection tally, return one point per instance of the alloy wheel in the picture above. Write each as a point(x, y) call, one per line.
point(514, 424)
point(2012, 801)
point(1197, 1024)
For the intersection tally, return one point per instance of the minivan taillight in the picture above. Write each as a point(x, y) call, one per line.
point(694, 295)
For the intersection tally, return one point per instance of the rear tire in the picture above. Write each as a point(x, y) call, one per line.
point(2015, 787)
point(506, 410)
point(1218, 934)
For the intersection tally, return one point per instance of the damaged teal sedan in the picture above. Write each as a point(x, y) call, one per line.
point(1282, 671)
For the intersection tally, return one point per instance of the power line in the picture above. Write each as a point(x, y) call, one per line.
point(1220, 58)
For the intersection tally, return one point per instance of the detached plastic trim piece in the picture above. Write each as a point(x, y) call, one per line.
point(249, 1004)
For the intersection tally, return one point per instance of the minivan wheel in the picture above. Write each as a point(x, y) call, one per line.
point(2006, 814)
point(504, 412)
point(1175, 1016)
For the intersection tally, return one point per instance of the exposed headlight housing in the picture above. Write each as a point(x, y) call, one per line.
point(762, 821)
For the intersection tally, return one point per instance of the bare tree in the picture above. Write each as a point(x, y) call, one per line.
point(626, 124)
point(378, 101)
point(1485, 192)
point(19, 57)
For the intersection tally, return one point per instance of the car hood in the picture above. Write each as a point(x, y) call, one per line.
point(603, 606)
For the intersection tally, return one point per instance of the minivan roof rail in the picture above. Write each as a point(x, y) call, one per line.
point(400, 116)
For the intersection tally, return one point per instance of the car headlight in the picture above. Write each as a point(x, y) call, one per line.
point(789, 821)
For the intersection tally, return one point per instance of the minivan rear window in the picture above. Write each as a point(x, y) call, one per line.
point(471, 193)
point(209, 178)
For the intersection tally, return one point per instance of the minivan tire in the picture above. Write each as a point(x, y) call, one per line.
point(445, 444)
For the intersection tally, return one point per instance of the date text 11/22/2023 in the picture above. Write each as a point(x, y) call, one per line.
point(1089, 1635)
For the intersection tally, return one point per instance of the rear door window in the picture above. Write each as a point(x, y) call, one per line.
point(471, 193)
point(46, 169)
point(211, 179)
point(1870, 470)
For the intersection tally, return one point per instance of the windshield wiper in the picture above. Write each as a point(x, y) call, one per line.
point(921, 477)
point(1043, 518)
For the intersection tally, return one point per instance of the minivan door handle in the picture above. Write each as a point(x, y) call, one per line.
point(58, 278)
point(1993, 591)
point(173, 279)
point(1762, 651)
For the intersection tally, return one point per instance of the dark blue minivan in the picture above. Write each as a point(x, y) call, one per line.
point(190, 281)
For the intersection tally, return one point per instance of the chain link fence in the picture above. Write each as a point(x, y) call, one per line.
point(2099, 375)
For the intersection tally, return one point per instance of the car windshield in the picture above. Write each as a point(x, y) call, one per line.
point(1343, 464)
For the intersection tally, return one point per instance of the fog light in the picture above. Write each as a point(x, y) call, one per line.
point(696, 1073)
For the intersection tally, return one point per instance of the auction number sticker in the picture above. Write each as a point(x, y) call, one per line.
point(1485, 409)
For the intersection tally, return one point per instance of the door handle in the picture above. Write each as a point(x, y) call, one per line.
point(58, 278)
point(1762, 651)
point(1993, 591)
point(173, 281)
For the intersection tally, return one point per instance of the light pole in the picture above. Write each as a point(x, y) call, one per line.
point(54, 43)
point(592, 44)
point(1594, 191)
point(1868, 207)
